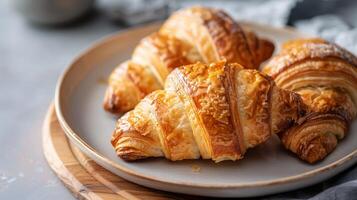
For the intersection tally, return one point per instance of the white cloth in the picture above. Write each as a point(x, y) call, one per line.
point(332, 28)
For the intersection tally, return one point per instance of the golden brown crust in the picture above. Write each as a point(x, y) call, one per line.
point(205, 86)
point(128, 77)
point(297, 42)
point(213, 111)
point(325, 75)
point(217, 36)
point(188, 36)
point(229, 39)
point(135, 136)
point(253, 92)
point(315, 136)
point(163, 53)
point(288, 108)
point(152, 60)
point(261, 48)
point(302, 50)
point(329, 100)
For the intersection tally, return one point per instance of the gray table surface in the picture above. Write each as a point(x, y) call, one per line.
point(31, 59)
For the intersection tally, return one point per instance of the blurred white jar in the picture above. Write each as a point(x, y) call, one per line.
point(52, 12)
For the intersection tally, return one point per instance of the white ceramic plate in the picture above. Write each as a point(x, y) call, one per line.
point(266, 169)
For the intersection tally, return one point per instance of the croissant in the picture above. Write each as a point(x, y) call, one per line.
point(214, 111)
point(325, 75)
point(191, 35)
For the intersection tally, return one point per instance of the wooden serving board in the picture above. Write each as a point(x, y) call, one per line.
point(83, 177)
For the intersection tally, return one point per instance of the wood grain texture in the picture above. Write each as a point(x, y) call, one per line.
point(85, 178)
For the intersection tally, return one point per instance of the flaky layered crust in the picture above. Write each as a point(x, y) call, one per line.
point(214, 111)
point(298, 51)
point(217, 36)
point(191, 35)
point(132, 77)
point(325, 75)
point(152, 60)
point(315, 136)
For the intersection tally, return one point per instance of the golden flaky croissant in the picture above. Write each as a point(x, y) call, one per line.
point(188, 36)
point(325, 75)
point(214, 111)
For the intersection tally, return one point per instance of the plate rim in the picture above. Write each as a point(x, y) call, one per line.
point(79, 141)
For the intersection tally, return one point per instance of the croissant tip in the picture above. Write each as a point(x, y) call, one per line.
point(322, 138)
point(112, 103)
point(109, 103)
point(129, 158)
point(320, 148)
point(130, 155)
point(108, 106)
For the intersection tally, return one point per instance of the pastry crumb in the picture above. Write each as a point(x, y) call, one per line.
point(195, 168)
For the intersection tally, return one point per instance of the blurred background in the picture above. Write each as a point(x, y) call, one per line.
point(39, 38)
